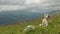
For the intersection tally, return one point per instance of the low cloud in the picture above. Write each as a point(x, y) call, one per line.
point(11, 7)
point(11, 2)
point(16, 5)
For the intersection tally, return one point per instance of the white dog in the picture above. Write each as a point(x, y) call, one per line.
point(45, 21)
point(29, 27)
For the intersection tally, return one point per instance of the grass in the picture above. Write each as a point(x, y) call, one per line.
point(53, 28)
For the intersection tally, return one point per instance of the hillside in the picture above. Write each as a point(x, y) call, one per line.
point(53, 28)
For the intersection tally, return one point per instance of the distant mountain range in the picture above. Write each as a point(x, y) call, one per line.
point(8, 17)
point(16, 16)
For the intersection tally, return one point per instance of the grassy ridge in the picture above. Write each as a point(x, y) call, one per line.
point(53, 28)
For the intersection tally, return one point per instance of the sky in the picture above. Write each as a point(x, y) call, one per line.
point(25, 4)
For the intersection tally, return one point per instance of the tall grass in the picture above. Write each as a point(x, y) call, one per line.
point(53, 27)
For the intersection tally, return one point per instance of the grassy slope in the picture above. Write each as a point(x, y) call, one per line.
point(53, 28)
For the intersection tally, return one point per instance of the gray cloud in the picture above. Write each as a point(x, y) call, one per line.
point(11, 2)
point(18, 2)
point(12, 5)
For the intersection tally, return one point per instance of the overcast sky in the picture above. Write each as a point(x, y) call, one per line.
point(10, 2)
point(23, 4)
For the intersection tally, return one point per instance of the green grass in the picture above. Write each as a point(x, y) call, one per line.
point(53, 28)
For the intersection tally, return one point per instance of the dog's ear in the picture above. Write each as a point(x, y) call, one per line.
point(48, 16)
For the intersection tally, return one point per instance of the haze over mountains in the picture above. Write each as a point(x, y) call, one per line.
point(7, 17)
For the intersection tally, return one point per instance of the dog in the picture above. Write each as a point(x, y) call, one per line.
point(45, 20)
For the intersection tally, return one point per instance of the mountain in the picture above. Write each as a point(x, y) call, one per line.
point(16, 16)
point(8, 17)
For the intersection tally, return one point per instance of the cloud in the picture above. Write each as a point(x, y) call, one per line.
point(11, 1)
point(11, 7)
point(47, 4)
point(34, 2)
point(29, 2)
point(33, 10)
